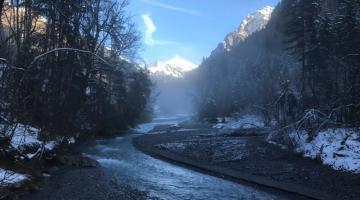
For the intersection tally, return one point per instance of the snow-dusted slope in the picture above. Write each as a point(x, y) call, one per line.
point(252, 23)
point(175, 67)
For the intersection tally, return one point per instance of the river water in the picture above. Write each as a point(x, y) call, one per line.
point(161, 179)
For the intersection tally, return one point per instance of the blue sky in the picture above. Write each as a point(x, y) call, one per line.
point(188, 28)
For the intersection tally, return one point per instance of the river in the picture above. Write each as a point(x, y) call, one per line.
point(165, 180)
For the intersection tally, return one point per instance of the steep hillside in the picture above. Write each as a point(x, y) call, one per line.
point(305, 59)
point(229, 81)
point(251, 24)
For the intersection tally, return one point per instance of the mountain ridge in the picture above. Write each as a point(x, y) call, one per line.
point(175, 67)
point(254, 22)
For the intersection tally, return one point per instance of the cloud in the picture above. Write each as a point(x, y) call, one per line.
point(150, 30)
point(170, 7)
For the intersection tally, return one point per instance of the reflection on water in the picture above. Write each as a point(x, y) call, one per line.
point(162, 179)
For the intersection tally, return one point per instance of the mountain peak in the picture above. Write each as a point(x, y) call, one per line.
point(251, 24)
point(175, 67)
point(266, 11)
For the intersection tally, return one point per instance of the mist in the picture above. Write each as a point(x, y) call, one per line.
point(173, 96)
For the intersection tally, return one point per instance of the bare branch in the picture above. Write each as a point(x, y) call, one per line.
point(68, 49)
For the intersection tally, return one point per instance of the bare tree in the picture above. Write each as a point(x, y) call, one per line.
point(72, 70)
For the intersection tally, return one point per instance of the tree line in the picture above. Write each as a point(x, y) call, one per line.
point(304, 66)
point(66, 69)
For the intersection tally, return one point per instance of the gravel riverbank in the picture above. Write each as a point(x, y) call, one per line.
point(245, 155)
point(84, 184)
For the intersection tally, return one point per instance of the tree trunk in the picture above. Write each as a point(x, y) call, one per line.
point(1, 9)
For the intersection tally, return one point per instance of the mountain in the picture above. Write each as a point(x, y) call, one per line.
point(252, 23)
point(172, 86)
point(174, 67)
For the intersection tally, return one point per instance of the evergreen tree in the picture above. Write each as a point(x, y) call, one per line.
point(327, 72)
point(349, 53)
point(303, 42)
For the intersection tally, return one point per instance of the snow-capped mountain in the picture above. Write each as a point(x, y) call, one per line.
point(175, 67)
point(252, 23)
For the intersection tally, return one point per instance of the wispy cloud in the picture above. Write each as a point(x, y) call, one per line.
point(170, 7)
point(150, 30)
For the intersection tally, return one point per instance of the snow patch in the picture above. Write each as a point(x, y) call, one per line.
point(71, 140)
point(145, 128)
point(23, 136)
point(338, 148)
point(87, 91)
point(50, 145)
point(246, 122)
point(10, 178)
point(277, 144)
point(171, 121)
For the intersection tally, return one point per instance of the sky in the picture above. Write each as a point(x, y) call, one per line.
point(188, 28)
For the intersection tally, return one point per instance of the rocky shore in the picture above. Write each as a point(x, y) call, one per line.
point(69, 175)
point(243, 154)
point(83, 184)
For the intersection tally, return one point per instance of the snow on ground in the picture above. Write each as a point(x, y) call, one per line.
point(172, 121)
point(10, 178)
point(245, 121)
point(145, 128)
point(338, 148)
point(23, 136)
point(71, 140)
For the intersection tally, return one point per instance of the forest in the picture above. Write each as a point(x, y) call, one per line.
point(66, 66)
point(302, 70)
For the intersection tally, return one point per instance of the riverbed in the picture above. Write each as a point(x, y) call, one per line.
point(161, 179)
point(127, 173)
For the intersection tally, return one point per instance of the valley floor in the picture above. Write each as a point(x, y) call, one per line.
point(243, 154)
point(264, 171)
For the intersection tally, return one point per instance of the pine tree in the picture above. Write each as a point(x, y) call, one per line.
point(326, 72)
point(301, 32)
point(349, 52)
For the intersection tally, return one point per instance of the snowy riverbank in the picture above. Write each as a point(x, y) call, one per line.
point(338, 148)
point(23, 143)
point(246, 154)
point(9, 178)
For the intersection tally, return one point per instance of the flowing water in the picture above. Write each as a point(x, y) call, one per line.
point(164, 180)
